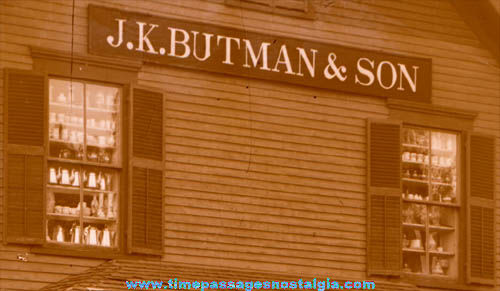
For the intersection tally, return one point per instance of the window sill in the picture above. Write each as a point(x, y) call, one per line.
point(77, 251)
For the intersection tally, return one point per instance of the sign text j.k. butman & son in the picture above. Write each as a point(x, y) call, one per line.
point(220, 49)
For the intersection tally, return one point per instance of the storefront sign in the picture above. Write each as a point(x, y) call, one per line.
point(219, 49)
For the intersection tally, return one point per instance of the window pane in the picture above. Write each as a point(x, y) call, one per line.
point(83, 197)
point(444, 170)
point(103, 124)
point(66, 119)
point(100, 195)
point(63, 203)
point(431, 202)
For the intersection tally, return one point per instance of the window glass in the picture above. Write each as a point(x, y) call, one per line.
point(84, 164)
point(430, 202)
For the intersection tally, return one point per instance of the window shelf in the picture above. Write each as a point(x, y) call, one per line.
point(414, 225)
point(415, 146)
point(441, 228)
point(101, 110)
point(442, 151)
point(91, 109)
point(426, 182)
point(68, 124)
point(416, 163)
point(442, 184)
point(410, 250)
point(65, 217)
point(84, 163)
point(65, 142)
point(89, 219)
point(92, 219)
point(100, 146)
point(434, 203)
point(445, 254)
point(64, 189)
point(65, 105)
point(90, 190)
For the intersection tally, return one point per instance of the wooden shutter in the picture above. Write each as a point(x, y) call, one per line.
point(145, 233)
point(384, 197)
point(25, 129)
point(481, 209)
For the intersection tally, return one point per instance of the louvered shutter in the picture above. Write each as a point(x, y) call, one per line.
point(481, 210)
point(25, 123)
point(384, 197)
point(146, 171)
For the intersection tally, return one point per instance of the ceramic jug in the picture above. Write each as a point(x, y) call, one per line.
point(65, 177)
point(75, 234)
point(91, 235)
point(75, 176)
point(106, 238)
point(53, 176)
point(92, 182)
point(59, 234)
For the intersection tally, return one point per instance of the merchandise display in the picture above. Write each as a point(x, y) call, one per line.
point(82, 192)
point(430, 202)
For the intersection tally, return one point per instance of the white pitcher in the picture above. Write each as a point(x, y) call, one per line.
point(65, 177)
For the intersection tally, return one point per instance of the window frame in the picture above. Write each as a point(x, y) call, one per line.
point(118, 167)
point(431, 116)
point(442, 281)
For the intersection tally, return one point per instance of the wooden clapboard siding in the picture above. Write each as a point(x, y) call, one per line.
point(270, 175)
point(38, 270)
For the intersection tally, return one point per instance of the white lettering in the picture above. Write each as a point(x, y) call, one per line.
point(412, 83)
point(227, 60)
point(285, 61)
point(310, 67)
point(208, 37)
point(368, 73)
point(110, 38)
point(255, 59)
point(174, 42)
point(143, 38)
point(379, 74)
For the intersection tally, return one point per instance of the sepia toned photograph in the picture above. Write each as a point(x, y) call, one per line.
point(251, 145)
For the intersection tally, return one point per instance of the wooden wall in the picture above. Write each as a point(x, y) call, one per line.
point(262, 175)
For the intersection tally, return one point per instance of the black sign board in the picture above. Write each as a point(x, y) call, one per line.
point(213, 48)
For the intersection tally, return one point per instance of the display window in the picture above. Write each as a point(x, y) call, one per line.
point(431, 201)
point(430, 198)
point(84, 163)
